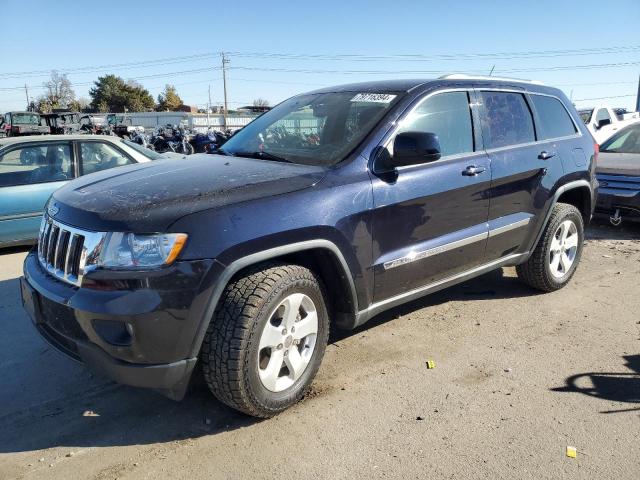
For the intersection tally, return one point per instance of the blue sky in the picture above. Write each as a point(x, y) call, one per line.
point(312, 42)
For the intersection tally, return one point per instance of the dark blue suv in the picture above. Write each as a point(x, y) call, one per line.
point(328, 209)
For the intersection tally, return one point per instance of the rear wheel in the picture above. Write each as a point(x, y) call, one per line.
point(556, 257)
point(267, 339)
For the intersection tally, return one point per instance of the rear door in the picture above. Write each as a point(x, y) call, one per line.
point(520, 180)
point(430, 220)
point(29, 174)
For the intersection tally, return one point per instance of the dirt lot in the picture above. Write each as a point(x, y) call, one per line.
point(519, 377)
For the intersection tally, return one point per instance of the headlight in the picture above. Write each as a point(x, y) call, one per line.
point(130, 250)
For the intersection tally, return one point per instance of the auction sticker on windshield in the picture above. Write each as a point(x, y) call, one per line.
point(373, 97)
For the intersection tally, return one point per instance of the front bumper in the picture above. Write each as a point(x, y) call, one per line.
point(137, 328)
point(619, 193)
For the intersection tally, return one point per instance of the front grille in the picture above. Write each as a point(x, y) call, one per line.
point(63, 250)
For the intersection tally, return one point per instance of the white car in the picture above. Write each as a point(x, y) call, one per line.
point(603, 121)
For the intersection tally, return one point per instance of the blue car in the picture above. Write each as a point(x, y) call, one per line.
point(32, 168)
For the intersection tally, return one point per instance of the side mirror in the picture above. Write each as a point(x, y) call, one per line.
point(601, 123)
point(412, 148)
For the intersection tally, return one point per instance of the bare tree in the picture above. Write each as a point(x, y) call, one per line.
point(260, 102)
point(59, 93)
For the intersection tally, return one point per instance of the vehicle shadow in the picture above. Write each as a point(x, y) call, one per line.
point(490, 286)
point(48, 400)
point(612, 386)
point(601, 229)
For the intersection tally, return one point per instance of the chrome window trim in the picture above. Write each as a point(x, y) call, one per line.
point(522, 91)
point(420, 255)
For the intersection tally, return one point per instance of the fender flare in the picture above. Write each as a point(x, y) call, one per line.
point(262, 256)
point(562, 189)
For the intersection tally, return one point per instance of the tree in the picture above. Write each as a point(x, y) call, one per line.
point(169, 101)
point(260, 102)
point(59, 93)
point(112, 93)
point(80, 105)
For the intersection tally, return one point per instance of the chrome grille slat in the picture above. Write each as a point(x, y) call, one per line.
point(62, 250)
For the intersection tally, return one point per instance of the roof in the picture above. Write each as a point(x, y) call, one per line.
point(458, 80)
point(52, 138)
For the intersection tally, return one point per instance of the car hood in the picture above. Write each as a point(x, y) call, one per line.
point(149, 197)
point(618, 164)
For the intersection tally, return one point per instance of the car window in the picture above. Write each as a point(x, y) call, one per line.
point(554, 118)
point(625, 141)
point(313, 129)
point(602, 114)
point(97, 156)
point(506, 119)
point(36, 164)
point(448, 115)
point(150, 154)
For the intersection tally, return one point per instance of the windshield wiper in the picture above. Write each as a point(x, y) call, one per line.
point(262, 155)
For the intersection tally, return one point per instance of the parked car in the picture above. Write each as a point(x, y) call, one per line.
point(16, 124)
point(61, 123)
point(32, 168)
point(95, 124)
point(604, 121)
point(618, 172)
point(330, 208)
point(122, 126)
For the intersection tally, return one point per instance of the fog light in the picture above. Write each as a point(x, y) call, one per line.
point(114, 332)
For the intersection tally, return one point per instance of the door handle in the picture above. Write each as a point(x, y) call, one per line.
point(472, 171)
point(544, 155)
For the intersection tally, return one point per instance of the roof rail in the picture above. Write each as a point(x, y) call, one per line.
point(464, 76)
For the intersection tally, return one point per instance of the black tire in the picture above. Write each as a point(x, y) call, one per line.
point(536, 271)
point(230, 350)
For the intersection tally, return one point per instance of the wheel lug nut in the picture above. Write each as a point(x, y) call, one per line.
point(293, 329)
point(280, 346)
point(286, 352)
point(284, 331)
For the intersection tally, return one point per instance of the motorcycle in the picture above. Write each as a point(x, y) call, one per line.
point(209, 142)
point(171, 138)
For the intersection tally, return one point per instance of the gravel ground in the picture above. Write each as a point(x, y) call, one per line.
point(518, 377)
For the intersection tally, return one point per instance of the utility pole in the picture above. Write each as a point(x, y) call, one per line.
point(225, 60)
point(638, 97)
point(209, 110)
point(492, 69)
point(26, 90)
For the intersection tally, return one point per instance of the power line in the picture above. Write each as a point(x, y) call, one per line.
point(94, 68)
point(604, 98)
point(157, 75)
point(435, 57)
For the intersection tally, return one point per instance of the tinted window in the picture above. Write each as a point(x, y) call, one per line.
point(97, 156)
point(36, 164)
point(602, 114)
point(506, 119)
point(447, 115)
point(625, 141)
point(555, 121)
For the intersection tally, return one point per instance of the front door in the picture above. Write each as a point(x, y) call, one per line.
point(430, 220)
point(29, 174)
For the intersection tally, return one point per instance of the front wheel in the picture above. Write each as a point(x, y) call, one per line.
point(556, 257)
point(267, 338)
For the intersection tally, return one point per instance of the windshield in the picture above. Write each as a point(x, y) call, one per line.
point(585, 115)
point(25, 118)
point(313, 129)
point(150, 154)
point(625, 141)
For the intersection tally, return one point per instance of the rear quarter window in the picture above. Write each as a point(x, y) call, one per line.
point(505, 119)
point(555, 121)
